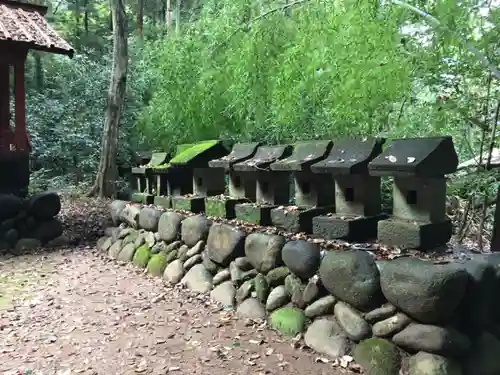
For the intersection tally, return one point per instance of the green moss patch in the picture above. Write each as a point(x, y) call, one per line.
point(141, 256)
point(277, 276)
point(289, 321)
point(157, 264)
point(378, 357)
point(193, 151)
point(215, 207)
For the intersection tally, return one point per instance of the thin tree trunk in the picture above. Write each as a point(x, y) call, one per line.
point(86, 18)
point(140, 19)
point(105, 182)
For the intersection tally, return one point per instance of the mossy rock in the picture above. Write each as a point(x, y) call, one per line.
point(292, 283)
point(141, 256)
point(378, 357)
point(171, 256)
point(157, 264)
point(277, 276)
point(261, 287)
point(215, 207)
point(193, 151)
point(287, 320)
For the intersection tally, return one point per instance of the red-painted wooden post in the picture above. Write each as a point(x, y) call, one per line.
point(5, 134)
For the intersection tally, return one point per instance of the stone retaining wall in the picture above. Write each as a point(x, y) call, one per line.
point(29, 223)
point(411, 314)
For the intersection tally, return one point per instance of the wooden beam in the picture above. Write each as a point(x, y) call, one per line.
point(495, 238)
point(4, 95)
point(20, 135)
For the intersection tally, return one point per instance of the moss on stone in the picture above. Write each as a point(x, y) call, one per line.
point(141, 256)
point(288, 320)
point(157, 264)
point(181, 203)
point(378, 357)
point(261, 287)
point(191, 152)
point(277, 276)
point(215, 207)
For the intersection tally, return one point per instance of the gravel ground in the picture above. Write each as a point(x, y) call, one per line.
point(73, 312)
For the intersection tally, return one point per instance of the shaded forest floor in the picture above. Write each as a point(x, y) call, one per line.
point(71, 311)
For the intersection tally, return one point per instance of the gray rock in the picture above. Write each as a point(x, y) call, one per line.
point(11, 206)
point(115, 249)
point(149, 238)
point(115, 209)
point(251, 308)
point(196, 249)
point(48, 230)
point(302, 258)
point(311, 292)
point(12, 236)
point(243, 264)
point(169, 226)
point(391, 326)
point(427, 292)
point(174, 272)
point(378, 357)
point(24, 244)
point(171, 256)
point(182, 253)
point(432, 339)
point(244, 291)
point(225, 243)
point(380, 313)
point(483, 358)
point(58, 242)
point(112, 232)
point(173, 246)
point(261, 288)
point(431, 364)
point(127, 253)
point(353, 277)
point(101, 242)
point(194, 229)
point(44, 206)
point(236, 273)
point(131, 238)
point(198, 279)
point(277, 298)
point(326, 337)
point(322, 306)
point(211, 266)
point(277, 276)
point(195, 259)
point(130, 215)
point(247, 275)
point(352, 322)
point(149, 218)
point(224, 293)
point(125, 232)
point(263, 251)
point(221, 276)
point(140, 240)
point(293, 283)
point(158, 247)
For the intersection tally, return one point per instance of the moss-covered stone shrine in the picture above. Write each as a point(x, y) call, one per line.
point(272, 187)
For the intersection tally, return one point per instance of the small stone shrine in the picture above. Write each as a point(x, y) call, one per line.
point(419, 166)
point(205, 181)
point(144, 186)
point(171, 181)
point(272, 187)
point(314, 193)
point(242, 186)
point(357, 194)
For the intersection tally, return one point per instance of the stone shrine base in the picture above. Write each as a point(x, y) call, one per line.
point(297, 220)
point(193, 204)
point(413, 235)
point(142, 198)
point(254, 213)
point(222, 207)
point(406, 313)
point(163, 201)
point(350, 228)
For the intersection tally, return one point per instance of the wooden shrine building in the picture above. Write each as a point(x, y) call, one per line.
point(22, 28)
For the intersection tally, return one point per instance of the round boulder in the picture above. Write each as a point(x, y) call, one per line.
point(48, 230)
point(263, 251)
point(169, 226)
point(425, 291)
point(148, 219)
point(115, 209)
point(194, 229)
point(225, 243)
point(353, 277)
point(302, 258)
point(44, 206)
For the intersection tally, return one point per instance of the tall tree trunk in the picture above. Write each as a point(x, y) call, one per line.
point(105, 182)
point(140, 19)
point(86, 18)
point(495, 239)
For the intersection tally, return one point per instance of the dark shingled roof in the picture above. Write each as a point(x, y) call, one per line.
point(24, 24)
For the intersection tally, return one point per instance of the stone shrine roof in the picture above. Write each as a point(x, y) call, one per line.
point(239, 153)
point(24, 24)
point(304, 155)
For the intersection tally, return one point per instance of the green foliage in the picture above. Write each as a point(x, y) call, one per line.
point(189, 153)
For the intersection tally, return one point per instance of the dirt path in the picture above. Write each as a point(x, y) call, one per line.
point(73, 312)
